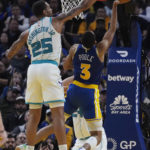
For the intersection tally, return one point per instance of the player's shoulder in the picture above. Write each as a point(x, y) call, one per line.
point(74, 47)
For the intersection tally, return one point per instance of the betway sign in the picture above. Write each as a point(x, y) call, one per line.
point(121, 78)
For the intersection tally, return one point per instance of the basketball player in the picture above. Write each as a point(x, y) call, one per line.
point(43, 78)
point(87, 60)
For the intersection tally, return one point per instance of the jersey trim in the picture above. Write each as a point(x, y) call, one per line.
point(34, 103)
point(44, 61)
point(89, 86)
point(50, 19)
point(54, 101)
point(45, 102)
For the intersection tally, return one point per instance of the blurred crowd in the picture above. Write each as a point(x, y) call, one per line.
point(16, 16)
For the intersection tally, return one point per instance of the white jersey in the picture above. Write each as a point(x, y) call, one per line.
point(44, 41)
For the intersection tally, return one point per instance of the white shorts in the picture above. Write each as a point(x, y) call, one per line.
point(44, 84)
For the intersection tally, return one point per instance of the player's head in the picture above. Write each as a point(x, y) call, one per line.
point(88, 39)
point(41, 9)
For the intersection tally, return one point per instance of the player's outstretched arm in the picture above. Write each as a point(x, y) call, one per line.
point(85, 4)
point(109, 35)
point(59, 20)
point(17, 45)
point(68, 61)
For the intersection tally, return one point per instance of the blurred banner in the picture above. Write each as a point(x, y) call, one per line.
point(122, 124)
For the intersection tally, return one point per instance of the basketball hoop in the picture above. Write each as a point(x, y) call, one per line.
point(67, 5)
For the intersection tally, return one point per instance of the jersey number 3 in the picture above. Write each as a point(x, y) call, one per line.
point(85, 73)
point(45, 44)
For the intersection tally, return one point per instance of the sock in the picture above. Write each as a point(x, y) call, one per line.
point(62, 147)
point(92, 141)
point(28, 147)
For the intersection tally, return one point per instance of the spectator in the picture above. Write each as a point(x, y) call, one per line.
point(13, 30)
point(16, 82)
point(3, 43)
point(46, 145)
point(56, 6)
point(16, 14)
point(6, 62)
point(3, 15)
point(20, 63)
point(4, 77)
point(11, 143)
point(21, 138)
point(25, 8)
point(21, 128)
point(7, 102)
point(100, 29)
point(17, 118)
point(100, 14)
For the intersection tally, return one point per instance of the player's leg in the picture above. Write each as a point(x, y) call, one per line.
point(53, 95)
point(32, 124)
point(93, 117)
point(44, 133)
point(58, 125)
point(34, 99)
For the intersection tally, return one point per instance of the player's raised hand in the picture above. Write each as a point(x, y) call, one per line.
point(121, 1)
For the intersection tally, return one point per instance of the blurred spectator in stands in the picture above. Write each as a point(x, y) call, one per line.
point(17, 118)
point(32, 20)
point(25, 8)
point(21, 138)
point(3, 15)
point(21, 128)
point(4, 76)
point(16, 14)
point(16, 81)
point(100, 29)
point(56, 6)
point(6, 62)
point(146, 40)
point(146, 16)
point(46, 145)
point(3, 43)
point(13, 30)
point(7, 103)
point(100, 14)
point(11, 143)
point(19, 62)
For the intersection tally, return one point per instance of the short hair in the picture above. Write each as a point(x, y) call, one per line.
point(38, 8)
point(88, 39)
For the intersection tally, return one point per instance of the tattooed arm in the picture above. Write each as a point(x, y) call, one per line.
point(63, 17)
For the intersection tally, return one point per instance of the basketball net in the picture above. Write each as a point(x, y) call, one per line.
point(67, 5)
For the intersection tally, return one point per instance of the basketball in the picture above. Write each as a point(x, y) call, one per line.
point(124, 1)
